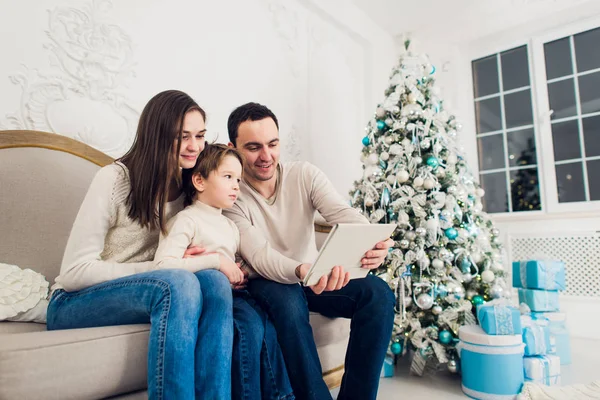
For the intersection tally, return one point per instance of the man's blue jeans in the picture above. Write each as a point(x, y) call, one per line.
point(258, 370)
point(369, 302)
point(191, 326)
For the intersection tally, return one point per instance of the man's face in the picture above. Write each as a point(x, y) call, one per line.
point(259, 143)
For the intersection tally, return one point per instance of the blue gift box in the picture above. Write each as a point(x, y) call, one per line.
point(539, 300)
point(499, 319)
point(542, 369)
point(560, 341)
point(388, 367)
point(536, 274)
point(536, 336)
point(492, 365)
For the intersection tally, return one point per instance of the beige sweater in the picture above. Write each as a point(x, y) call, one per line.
point(104, 243)
point(199, 225)
point(278, 234)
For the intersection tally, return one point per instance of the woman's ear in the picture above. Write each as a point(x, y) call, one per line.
point(198, 182)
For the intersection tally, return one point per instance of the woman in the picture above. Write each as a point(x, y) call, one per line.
point(108, 277)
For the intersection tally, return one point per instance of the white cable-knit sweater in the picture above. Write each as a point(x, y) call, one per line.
point(104, 243)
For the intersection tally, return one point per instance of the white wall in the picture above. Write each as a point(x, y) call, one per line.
point(85, 69)
point(504, 30)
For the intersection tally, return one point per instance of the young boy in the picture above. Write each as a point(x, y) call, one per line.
point(212, 185)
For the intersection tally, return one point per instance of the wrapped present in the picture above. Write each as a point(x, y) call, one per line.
point(560, 342)
point(388, 367)
point(539, 274)
point(542, 369)
point(498, 317)
point(491, 365)
point(536, 336)
point(539, 300)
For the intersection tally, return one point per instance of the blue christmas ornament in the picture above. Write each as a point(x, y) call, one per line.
point(477, 300)
point(366, 141)
point(451, 233)
point(433, 162)
point(432, 70)
point(441, 291)
point(445, 337)
point(465, 265)
point(385, 198)
point(396, 348)
point(380, 125)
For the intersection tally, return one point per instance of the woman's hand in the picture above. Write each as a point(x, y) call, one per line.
point(193, 251)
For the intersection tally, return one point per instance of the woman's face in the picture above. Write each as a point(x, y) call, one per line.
point(192, 139)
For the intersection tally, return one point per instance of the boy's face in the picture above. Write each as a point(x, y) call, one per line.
point(258, 141)
point(222, 186)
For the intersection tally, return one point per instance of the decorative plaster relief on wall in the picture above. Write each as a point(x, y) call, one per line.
point(78, 94)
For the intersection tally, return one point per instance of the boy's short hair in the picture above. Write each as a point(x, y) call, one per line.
point(208, 161)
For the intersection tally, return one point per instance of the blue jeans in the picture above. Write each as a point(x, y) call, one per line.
point(368, 302)
point(191, 326)
point(255, 348)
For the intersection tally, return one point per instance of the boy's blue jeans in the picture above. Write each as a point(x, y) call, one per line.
point(258, 370)
point(191, 326)
point(368, 302)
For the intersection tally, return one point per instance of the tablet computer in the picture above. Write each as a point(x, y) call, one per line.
point(345, 246)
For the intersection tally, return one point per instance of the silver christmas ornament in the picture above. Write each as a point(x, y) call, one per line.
point(420, 231)
point(404, 244)
point(437, 310)
point(453, 366)
point(496, 291)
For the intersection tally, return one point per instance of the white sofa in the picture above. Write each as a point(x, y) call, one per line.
point(43, 179)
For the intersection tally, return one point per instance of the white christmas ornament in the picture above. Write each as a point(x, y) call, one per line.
point(402, 176)
point(479, 192)
point(488, 276)
point(384, 156)
point(395, 149)
point(380, 112)
point(428, 183)
point(373, 159)
point(418, 181)
point(452, 159)
point(391, 179)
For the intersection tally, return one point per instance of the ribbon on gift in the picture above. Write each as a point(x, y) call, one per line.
point(503, 316)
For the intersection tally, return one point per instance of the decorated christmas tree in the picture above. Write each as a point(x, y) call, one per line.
point(447, 256)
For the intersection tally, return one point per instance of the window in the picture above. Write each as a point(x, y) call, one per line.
point(506, 141)
point(537, 119)
point(573, 84)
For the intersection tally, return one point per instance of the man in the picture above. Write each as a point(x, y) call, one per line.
point(275, 215)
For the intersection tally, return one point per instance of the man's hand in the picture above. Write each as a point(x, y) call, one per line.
point(336, 280)
point(193, 251)
point(375, 257)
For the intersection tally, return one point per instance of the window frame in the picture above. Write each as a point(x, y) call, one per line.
point(496, 50)
point(541, 116)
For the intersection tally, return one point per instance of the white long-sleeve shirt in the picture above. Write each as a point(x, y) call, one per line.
point(278, 234)
point(198, 225)
point(104, 243)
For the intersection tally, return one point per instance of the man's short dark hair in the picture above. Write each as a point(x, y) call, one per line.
point(247, 112)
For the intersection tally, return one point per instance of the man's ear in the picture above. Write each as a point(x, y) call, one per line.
point(198, 182)
point(230, 145)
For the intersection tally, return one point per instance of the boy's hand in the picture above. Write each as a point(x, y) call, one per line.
point(231, 270)
point(376, 256)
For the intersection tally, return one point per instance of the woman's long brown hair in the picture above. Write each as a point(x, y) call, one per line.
point(153, 159)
